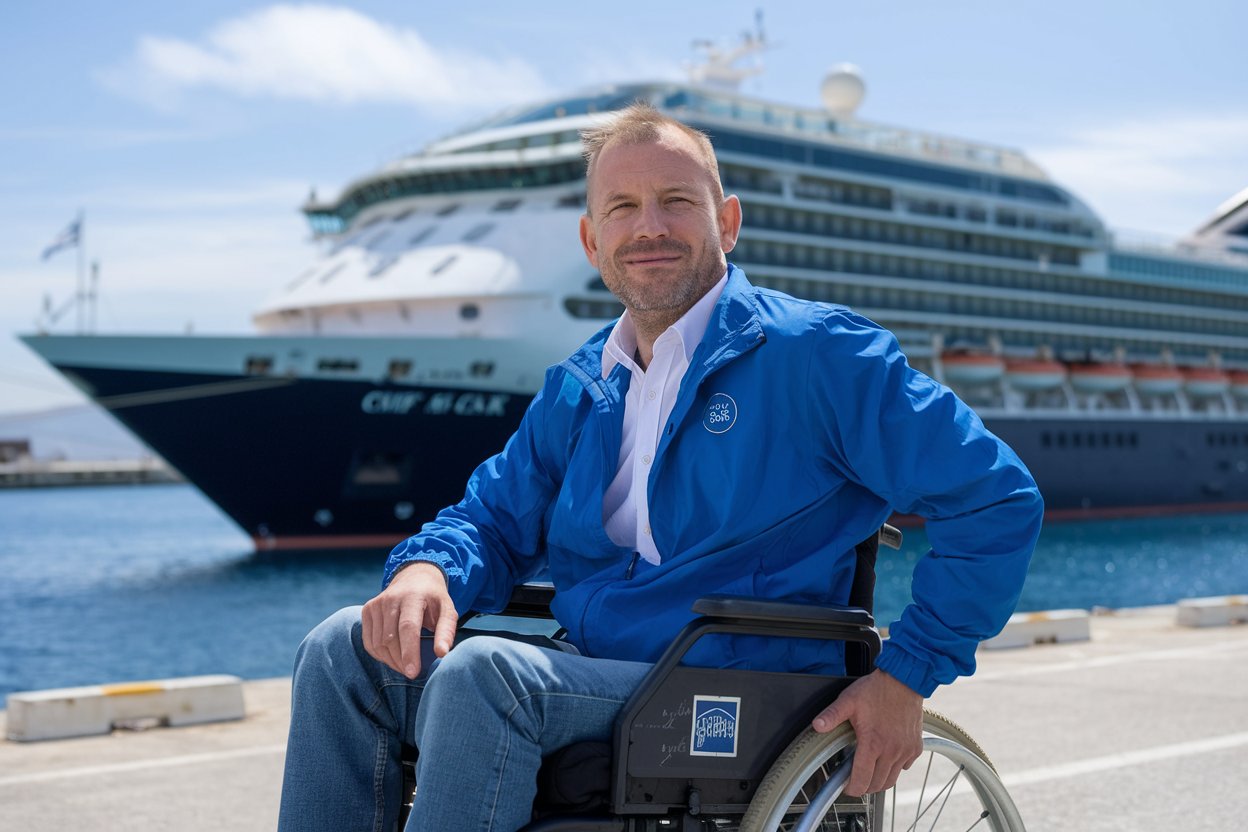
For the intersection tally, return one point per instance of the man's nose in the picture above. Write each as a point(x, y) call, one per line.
point(651, 221)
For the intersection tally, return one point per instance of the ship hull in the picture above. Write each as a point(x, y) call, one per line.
point(303, 463)
point(311, 463)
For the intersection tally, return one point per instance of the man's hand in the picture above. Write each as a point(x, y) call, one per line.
point(416, 597)
point(887, 716)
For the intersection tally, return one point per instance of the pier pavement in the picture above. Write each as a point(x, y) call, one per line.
point(1143, 727)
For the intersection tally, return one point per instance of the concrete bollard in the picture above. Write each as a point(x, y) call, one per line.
point(1213, 612)
point(78, 712)
point(1050, 627)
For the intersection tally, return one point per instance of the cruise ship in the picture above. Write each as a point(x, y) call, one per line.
point(448, 280)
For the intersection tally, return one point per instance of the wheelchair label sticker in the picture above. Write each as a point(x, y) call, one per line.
point(715, 720)
point(720, 413)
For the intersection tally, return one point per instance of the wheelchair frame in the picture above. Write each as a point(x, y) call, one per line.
point(779, 774)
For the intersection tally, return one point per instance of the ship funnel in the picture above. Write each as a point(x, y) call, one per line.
point(843, 90)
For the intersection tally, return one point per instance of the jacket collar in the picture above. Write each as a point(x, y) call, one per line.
point(734, 329)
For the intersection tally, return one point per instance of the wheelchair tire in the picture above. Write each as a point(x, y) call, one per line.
point(928, 793)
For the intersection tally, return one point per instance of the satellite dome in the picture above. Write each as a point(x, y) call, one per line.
point(843, 90)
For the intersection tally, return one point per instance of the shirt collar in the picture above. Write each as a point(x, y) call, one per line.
point(621, 344)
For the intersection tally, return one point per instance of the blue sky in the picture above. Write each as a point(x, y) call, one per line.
point(190, 133)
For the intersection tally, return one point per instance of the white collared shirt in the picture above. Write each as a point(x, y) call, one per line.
point(647, 406)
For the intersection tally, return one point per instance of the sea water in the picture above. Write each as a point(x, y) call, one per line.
point(143, 582)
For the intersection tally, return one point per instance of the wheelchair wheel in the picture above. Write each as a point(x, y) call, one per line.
point(952, 786)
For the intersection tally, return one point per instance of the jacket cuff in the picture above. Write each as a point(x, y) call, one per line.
point(905, 668)
point(438, 559)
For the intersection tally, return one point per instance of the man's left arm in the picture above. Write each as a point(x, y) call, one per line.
point(911, 441)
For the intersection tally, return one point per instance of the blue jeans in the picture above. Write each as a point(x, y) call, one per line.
point(483, 717)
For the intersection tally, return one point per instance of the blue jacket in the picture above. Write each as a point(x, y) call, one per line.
point(798, 429)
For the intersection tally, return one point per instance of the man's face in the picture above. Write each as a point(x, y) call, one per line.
point(656, 229)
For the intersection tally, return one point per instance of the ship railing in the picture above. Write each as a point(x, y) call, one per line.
point(1147, 242)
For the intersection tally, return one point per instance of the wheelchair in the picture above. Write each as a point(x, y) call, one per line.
point(706, 750)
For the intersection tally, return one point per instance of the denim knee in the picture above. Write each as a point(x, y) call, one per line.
point(330, 642)
point(480, 677)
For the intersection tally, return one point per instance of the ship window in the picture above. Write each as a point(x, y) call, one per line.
point(478, 231)
point(383, 265)
point(576, 200)
point(337, 365)
point(422, 235)
point(371, 221)
point(1046, 439)
point(399, 368)
point(507, 204)
point(444, 265)
point(585, 308)
point(259, 365)
point(596, 285)
point(332, 273)
point(294, 284)
point(379, 468)
point(448, 210)
point(377, 239)
point(481, 369)
point(470, 311)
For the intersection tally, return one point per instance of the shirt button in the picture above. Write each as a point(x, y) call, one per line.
point(650, 395)
point(647, 531)
point(646, 459)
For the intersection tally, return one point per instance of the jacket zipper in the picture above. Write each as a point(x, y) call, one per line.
point(632, 564)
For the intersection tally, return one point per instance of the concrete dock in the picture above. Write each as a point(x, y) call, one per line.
point(1145, 726)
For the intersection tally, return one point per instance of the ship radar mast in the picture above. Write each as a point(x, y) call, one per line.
point(718, 68)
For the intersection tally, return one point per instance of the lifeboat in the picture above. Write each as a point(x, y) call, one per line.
point(1034, 374)
point(1205, 382)
point(971, 368)
point(1099, 378)
point(1157, 380)
point(1239, 384)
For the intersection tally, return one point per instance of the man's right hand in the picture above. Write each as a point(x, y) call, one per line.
point(416, 598)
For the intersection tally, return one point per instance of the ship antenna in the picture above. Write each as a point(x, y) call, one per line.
point(718, 69)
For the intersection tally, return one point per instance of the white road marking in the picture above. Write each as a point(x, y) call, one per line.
point(140, 765)
point(1076, 768)
point(1124, 759)
point(1177, 653)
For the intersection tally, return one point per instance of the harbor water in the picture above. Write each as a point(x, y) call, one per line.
point(122, 583)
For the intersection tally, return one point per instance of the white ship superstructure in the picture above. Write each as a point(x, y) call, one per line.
point(449, 279)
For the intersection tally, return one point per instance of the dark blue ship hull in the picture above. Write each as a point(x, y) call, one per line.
point(307, 463)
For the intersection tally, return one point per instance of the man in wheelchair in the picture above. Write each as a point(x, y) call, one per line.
point(718, 439)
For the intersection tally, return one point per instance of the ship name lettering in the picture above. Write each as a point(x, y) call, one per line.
point(480, 404)
point(383, 401)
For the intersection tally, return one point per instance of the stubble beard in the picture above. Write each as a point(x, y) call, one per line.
point(662, 301)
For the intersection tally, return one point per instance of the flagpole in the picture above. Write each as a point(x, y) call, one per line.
point(82, 272)
point(93, 297)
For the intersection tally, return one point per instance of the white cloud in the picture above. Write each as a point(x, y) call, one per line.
point(321, 53)
point(1165, 174)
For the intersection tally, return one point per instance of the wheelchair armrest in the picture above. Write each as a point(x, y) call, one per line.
point(748, 608)
point(531, 600)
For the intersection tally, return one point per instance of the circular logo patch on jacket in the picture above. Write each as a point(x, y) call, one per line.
point(720, 413)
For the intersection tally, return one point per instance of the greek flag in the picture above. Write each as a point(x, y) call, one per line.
point(66, 239)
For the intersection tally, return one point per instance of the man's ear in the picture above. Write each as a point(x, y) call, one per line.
point(588, 241)
point(729, 223)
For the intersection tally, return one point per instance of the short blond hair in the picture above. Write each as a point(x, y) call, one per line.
point(640, 123)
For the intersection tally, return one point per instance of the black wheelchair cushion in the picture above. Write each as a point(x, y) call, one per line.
point(574, 779)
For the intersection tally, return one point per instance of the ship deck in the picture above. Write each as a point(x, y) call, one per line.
point(1144, 726)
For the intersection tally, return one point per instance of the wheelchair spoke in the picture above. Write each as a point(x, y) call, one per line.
point(921, 810)
point(955, 789)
